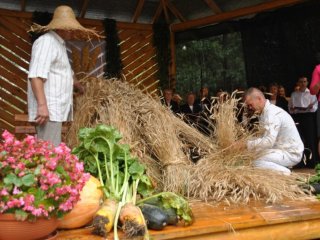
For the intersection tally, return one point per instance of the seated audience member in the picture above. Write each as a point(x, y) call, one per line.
point(296, 87)
point(302, 106)
point(222, 96)
point(275, 99)
point(167, 101)
point(204, 99)
point(280, 145)
point(177, 98)
point(263, 89)
point(282, 92)
point(190, 109)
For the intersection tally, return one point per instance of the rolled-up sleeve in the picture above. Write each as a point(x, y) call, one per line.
point(271, 131)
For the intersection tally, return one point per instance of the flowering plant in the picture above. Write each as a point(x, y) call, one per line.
point(38, 179)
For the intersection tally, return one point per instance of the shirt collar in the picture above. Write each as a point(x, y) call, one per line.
point(57, 37)
point(266, 106)
point(306, 90)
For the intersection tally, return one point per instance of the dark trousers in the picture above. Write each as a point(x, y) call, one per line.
point(307, 127)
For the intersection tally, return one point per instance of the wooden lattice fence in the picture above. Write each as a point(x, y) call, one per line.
point(137, 54)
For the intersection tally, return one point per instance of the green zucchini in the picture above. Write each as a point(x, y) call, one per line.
point(155, 217)
point(172, 215)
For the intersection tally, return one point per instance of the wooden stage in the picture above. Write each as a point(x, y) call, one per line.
point(289, 220)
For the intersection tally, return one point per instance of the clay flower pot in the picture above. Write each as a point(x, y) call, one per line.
point(11, 229)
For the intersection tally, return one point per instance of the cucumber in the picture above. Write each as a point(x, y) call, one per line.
point(155, 217)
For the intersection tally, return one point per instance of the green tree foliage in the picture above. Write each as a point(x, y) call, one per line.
point(217, 62)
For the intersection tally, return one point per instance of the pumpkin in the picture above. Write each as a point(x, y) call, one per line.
point(86, 207)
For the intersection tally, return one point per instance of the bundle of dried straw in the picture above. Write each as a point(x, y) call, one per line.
point(162, 140)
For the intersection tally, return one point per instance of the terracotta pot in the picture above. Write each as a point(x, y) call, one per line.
point(11, 229)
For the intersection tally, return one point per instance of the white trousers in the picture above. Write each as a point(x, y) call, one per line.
point(278, 160)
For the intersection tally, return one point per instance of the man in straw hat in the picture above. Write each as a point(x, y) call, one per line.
point(280, 147)
point(51, 82)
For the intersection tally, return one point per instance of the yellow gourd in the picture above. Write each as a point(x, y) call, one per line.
point(85, 209)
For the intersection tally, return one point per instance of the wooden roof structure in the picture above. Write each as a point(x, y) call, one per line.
point(134, 22)
point(180, 14)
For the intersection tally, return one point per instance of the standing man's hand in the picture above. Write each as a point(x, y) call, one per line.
point(42, 114)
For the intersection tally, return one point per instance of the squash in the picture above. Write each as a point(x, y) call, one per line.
point(85, 209)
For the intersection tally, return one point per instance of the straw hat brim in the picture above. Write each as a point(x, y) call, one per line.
point(80, 32)
point(64, 19)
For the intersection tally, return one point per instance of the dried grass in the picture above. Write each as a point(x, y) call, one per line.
point(162, 142)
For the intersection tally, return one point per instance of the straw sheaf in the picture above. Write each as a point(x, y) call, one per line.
point(163, 141)
point(64, 19)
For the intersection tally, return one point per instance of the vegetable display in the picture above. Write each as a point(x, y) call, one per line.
point(124, 183)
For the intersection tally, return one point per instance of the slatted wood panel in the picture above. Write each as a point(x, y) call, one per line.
point(137, 53)
point(15, 48)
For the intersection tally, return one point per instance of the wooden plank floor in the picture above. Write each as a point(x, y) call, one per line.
point(289, 220)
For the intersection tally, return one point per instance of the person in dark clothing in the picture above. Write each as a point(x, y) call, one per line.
point(275, 99)
point(191, 110)
point(204, 102)
point(168, 102)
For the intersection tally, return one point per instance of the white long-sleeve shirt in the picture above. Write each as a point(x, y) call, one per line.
point(303, 100)
point(49, 60)
point(280, 132)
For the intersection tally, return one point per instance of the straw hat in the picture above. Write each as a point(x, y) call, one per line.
point(65, 19)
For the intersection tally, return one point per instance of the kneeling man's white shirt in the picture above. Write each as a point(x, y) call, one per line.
point(280, 133)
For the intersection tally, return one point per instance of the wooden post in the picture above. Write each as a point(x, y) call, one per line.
point(172, 64)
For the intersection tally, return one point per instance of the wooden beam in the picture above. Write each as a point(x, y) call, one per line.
point(212, 4)
point(23, 5)
point(84, 8)
point(200, 22)
point(175, 11)
point(165, 10)
point(138, 11)
point(157, 14)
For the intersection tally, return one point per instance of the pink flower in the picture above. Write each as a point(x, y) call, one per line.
point(79, 167)
point(37, 212)
point(16, 190)
point(4, 192)
point(52, 163)
point(14, 203)
point(11, 160)
point(8, 137)
point(29, 199)
point(30, 140)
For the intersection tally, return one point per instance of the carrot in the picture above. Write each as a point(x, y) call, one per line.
point(104, 219)
point(133, 223)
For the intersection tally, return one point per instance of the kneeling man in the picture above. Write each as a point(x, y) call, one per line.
point(280, 144)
